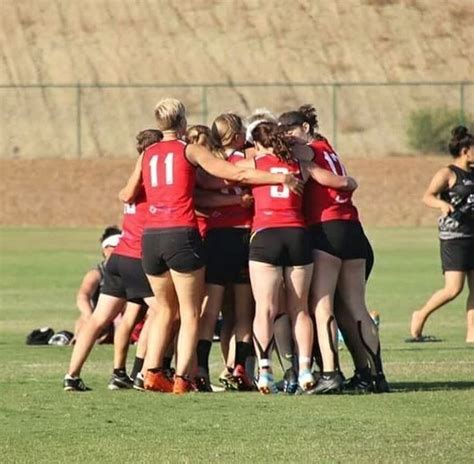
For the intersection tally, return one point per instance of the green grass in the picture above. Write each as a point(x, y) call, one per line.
point(428, 417)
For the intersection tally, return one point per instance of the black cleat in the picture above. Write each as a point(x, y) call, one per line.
point(120, 382)
point(203, 384)
point(360, 382)
point(327, 384)
point(138, 383)
point(290, 381)
point(380, 384)
point(74, 384)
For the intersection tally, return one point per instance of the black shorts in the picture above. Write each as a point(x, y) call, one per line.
point(227, 253)
point(457, 254)
point(281, 246)
point(124, 278)
point(178, 248)
point(343, 239)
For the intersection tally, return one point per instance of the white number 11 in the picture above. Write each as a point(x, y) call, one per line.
point(168, 169)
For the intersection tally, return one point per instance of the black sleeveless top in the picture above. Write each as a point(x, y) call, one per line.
point(460, 223)
point(95, 297)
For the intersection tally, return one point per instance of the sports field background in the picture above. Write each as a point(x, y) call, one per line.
point(428, 418)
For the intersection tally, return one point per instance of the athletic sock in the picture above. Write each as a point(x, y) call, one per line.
point(167, 363)
point(120, 372)
point(242, 351)
point(329, 375)
point(137, 366)
point(203, 350)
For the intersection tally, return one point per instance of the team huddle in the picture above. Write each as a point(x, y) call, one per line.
point(253, 220)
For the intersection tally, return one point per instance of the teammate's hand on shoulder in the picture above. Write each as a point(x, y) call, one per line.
point(246, 200)
point(294, 184)
point(446, 208)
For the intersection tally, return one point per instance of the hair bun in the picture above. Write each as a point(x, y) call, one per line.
point(459, 132)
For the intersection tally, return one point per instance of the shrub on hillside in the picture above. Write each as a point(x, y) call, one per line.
point(429, 129)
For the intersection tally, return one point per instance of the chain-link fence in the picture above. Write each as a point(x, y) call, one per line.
point(101, 120)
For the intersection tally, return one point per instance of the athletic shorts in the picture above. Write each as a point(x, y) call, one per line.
point(227, 253)
point(178, 248)
point(343, 239)
point(281, 246)
point(124, 278)
point(457, 254)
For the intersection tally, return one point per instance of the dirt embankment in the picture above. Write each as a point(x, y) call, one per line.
point(84, 193)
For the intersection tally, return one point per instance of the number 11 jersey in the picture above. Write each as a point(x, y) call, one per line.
point(276, 205)
point(169, 180)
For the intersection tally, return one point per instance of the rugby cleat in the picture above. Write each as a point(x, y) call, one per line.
point(120, 382)
point(327, 384)
point(306, 380)
point(157, 380)
point(182, 385)
point(202, 383)
point(138, 382)
point(290, 381)
point(360, 382)
point(226, 380)
point(242, 380)
point(265, 384)
point(74, 384)
point(380, 384)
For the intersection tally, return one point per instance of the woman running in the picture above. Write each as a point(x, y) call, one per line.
point(339, 255)
point(173, 255)
point(452, 191)
point(280, 253)
point(124, 280)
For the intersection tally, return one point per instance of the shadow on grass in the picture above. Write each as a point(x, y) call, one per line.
point(430, 386)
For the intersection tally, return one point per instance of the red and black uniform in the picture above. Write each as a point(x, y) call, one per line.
point(124, 276)
point(171, 238)
point(332, 218)
point(227, 239)
point(279, 234)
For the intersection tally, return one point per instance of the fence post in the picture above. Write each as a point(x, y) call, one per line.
point(334, 116)
point(204, 110)
point(78, 120)
point(461, 104)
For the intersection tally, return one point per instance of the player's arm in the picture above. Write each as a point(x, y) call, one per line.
point(208, 182)
point(225, 170)
point(328, 178)
point(88, 287)
point(209, 199)
point(440, 181)
point(129, 192)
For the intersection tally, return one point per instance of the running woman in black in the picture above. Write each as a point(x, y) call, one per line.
point(452, 191)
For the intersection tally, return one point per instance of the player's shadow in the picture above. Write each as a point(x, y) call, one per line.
point(431, 386)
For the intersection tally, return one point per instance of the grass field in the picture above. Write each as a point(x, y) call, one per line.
point(429, 417)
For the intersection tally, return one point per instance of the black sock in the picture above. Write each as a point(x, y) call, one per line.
point(167, 363)
point(203, 350)
point(242, 351)
point(120, 372)
point(137, 367)
point(329, 375)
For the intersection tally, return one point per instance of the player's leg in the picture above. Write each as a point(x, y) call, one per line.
point(266, 280)
point(470, 308)
point(325, 276)
point(297, 284)
point(453, 286)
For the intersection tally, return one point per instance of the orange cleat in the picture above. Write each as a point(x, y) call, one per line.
point(242, 380)
point(158, 381)
point(182, 385)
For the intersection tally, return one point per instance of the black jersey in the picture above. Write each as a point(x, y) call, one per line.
point(460, 223)
point(95, 297)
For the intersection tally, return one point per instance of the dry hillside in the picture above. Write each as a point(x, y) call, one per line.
point(226, 41)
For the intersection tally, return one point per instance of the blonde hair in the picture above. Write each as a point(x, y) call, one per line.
point(200, 135)
point(170, 114)
point(224, 129)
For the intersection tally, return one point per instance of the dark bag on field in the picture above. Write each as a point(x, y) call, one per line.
point(39, 336)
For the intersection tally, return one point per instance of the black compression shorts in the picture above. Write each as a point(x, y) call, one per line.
point(227, 251)
point(124, 278)
point(457, 254)
point(178, 248)
point(281, 246)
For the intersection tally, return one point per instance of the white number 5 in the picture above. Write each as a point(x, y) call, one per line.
point(279, 191)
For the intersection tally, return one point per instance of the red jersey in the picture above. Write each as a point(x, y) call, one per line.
point(276, 205)
point(322, 203)
point(169, 180)
point(134, 216)
point(230, 216)
point(202, 225)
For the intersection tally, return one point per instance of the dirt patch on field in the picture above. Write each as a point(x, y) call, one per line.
point(84, 193)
